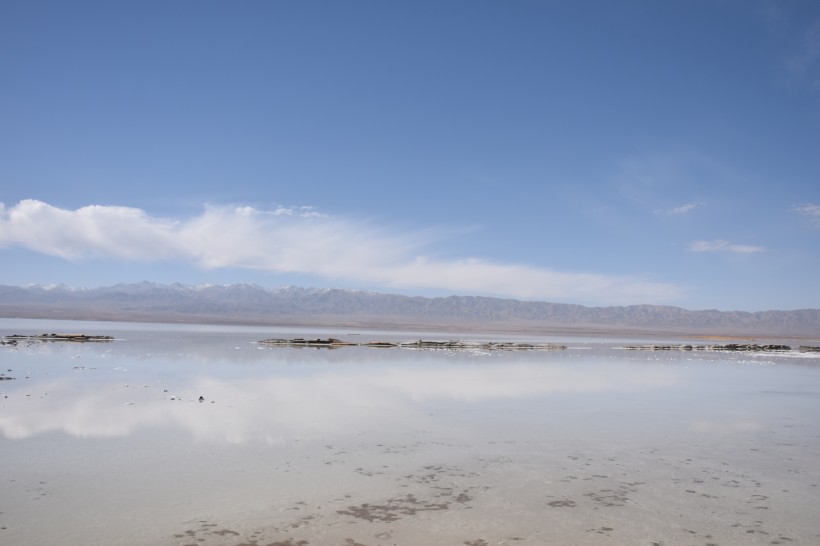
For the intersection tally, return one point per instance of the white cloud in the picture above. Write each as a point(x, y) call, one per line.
point(304, 211)
point(104, 231)
point(301, 241)
point(719, 245)
point(811, 211)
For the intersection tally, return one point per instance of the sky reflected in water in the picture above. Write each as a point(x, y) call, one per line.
point(270, 405)
point(596, 436)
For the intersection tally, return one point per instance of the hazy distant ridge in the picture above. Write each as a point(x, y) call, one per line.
point(256, 304)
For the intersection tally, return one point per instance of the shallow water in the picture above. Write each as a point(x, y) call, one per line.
point(107, 443)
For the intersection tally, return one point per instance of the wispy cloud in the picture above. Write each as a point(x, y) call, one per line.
point(673, 180)
point(806, 62)
point(796, 34)
point(719, 245)
point(301, 241)
point(810, 211)
point(681, 210)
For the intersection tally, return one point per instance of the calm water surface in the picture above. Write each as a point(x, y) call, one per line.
point(108, 443)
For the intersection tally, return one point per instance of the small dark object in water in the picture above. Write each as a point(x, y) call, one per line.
point(201, 398)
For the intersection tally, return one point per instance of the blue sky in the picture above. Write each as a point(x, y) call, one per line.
point(600, 153)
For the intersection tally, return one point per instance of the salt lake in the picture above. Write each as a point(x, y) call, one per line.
point(109, 442)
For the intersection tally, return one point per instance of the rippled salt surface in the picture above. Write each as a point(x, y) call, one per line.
point(108, 444)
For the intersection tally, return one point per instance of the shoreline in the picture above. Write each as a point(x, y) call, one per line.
point(412, 325)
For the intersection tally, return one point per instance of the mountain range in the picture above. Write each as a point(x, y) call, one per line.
point(294, 306)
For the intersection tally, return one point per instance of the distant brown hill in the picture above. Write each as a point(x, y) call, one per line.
point(251, 304)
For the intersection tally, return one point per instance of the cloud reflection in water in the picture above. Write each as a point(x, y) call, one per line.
point(272, 408)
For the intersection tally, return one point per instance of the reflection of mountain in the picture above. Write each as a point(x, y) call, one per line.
point(244, 303)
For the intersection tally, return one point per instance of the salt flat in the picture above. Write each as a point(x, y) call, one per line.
point(110, 444)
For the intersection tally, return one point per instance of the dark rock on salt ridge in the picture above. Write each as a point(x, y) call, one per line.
point(420, 344)
point(301, 342)
point(745, 347)
point(13, 339)
point(492, 345)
